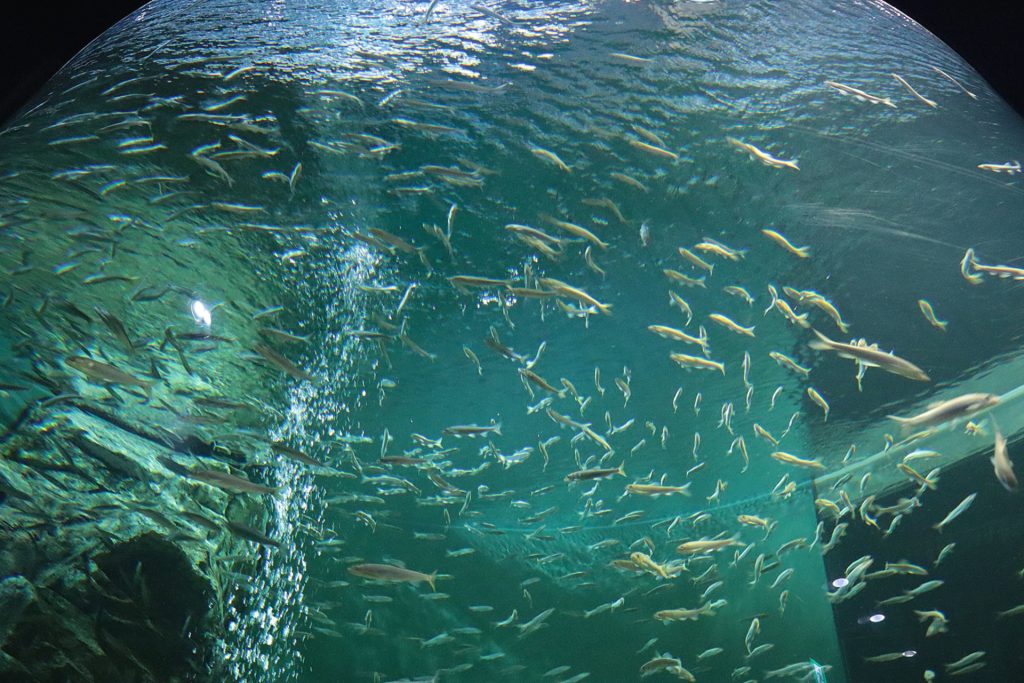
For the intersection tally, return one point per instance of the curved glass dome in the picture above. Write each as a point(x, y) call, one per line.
point(511, 341)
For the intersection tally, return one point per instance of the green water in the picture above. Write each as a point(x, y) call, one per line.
point(234, 157)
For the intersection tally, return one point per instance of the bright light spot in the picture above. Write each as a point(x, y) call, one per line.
point(875, 618)
point(203, 315)
point(910, 653)
point(840, 582)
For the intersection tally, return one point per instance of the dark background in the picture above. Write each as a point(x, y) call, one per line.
point(41, 36)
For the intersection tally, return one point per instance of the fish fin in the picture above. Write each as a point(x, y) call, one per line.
point(821, 338)
point(622, 469)
point(431, 578)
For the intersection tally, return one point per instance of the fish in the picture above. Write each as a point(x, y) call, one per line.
point(1009, 167)
point(946, 411)
point(787, 362)
point(392, 573)
point(596, 473)
point(678, 335)
point(954, 82)
point(472, 431)
point(682, 279)
point(817, 398)
point(860, 94)
point(683, 614)
point(534, 624)
point(1002, 464)
point(707, 545)
point(281, 363)
point(550, 157)
point(791, 459)
point(644, 561)
point(929, 314)
point(731, 325)
point(870, 357)
point(687, 361)
point(954, 667)
point(657, 489)
point(105, 373)
point(676, 300)
point(534, 378)
point(762, 156)
point(966, 263)
point(250, 534)
point(955, 512)
point(710, 246)
point(778, 238)
point(653, 149)
point(566, 290)
point(921, 98)
point(696, 260)
point(229, 482)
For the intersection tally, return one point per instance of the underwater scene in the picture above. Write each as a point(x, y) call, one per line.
point(380, 340)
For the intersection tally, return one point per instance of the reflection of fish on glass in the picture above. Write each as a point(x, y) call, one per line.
point(819, 672)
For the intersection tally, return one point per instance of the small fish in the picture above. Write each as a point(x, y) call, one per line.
point(687, 361)
point(929, 315)
point(682, 279)
point(860, 94)
point(1009, 167)
point(955, 512)
point(790, 459)
point(787, 362)
point(391, 573)
point(731, 325)
point(817, 398)
point(472, 431)
point(596, 473)
point(282, 363)
point(696, 260)
point(1002, 464)
point(762, 156)
point(105, 373)
point(676, 300)
point(966, 264)
point(707, 546)
point(229, 482)
point(653, 149)
point(657, 489)
point(778, 238)
point(954, 82)
point(921, 98)
point(550, 157)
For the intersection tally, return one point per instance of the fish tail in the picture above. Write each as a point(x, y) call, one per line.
point(431, 578)
point(804, 252)
point(622, 469)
